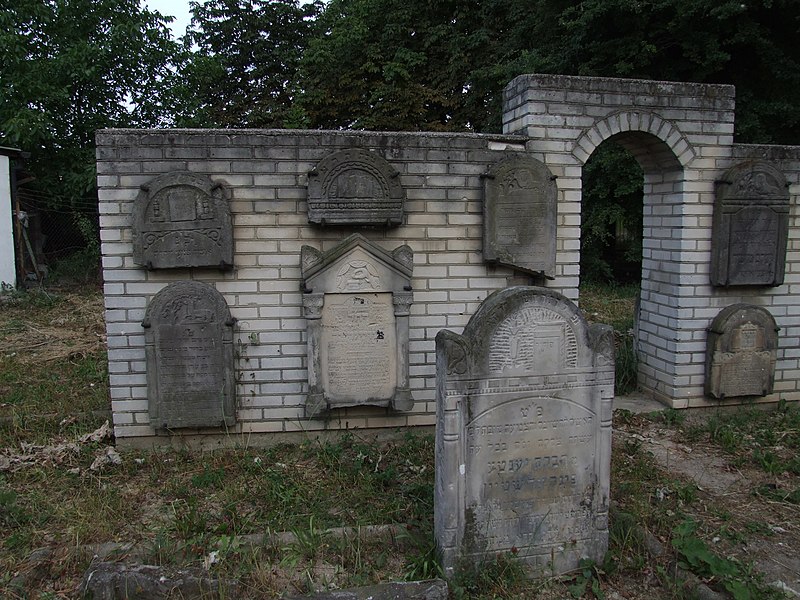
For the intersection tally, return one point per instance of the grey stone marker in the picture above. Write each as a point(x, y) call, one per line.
point(356, 303)
point(751, 226)
point(355, 187)
point(741, 352)
point(182, 219)
point(523, 434)
point(520, 211)
point(189, 351)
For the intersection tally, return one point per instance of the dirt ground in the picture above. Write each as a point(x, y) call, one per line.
point(762, 532)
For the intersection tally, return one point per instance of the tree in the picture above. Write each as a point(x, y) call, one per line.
point(243, 68)
point(70, 67)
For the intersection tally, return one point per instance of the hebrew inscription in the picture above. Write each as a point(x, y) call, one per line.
point(356, 303)
point(182, 219)
point(741, 354)
point(355, 187)
point(520, 215)
point(359, 347)
point(751, 226)
point(189, 351)
point(523, 434)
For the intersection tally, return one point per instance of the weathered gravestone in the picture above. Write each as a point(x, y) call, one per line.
point(751, 226)
point(741, 352)
point(189, 352)
point(520, 213)
point(523, 434)
point(355, 187)
point(182, 219)
point(356, 303)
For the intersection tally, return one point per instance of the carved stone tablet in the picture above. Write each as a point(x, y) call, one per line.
point(741, 353)
point(355, 187)
point(356, 305)
point(751, 226)
point(523, 434)
point(520, 212)
point(182, 220)
point(189, 350)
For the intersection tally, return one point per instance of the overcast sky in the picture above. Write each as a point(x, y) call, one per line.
point(174, 8)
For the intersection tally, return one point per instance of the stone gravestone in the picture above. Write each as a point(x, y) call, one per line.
point(520, 213)
point(182, 219)
point(189, 352)
point(523, 434)
point(356, 303)
point(751, 226)
point(355, 187)
point(741, 352)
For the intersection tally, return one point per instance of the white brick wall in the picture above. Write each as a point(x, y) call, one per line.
point(682, 135)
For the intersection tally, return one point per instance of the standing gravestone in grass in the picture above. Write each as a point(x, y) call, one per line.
point(523, 434)
point(189, 351)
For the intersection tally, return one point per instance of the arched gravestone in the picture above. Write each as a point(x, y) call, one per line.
point(741, 353)
point(189, 353)
point(519, 211)
point(356, 303)
point(355, 187)
point(182, 219)
point(751, 226)
point(523, 434)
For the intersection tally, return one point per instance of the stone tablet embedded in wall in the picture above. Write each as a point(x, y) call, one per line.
point(356, 306)
point(751, 226)
point(741, 353)
point(182, 219)
point(355, 187)
point(523, 434)
point(189, 350)
point(520, 210)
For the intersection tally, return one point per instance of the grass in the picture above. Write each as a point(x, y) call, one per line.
point(615, 305)
point(268, 517)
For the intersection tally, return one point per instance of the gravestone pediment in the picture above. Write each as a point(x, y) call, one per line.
point(189, 353)
point(751, 226)
point(355, 187)
point(741, 352)
point(182, 219)
point(523, 434)
point(520, 213)
point(356, 303)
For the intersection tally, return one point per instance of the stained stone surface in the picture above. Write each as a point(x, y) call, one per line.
point(520, 213)
point(182, 219)
point(189, 351)
point(751, 226)
point(523, 434)
point(741, 352)
point(356, 303)
point(355, 187)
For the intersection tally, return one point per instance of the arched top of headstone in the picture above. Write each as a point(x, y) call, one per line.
point(182, 219)
point(754, 180)
point(355, 187)
point(523, 329)
point(520, 209)
point(187, 302)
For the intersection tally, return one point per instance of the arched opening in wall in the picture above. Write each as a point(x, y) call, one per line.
point(631, 186)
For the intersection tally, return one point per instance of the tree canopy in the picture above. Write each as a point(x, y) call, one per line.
point(70, 67)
